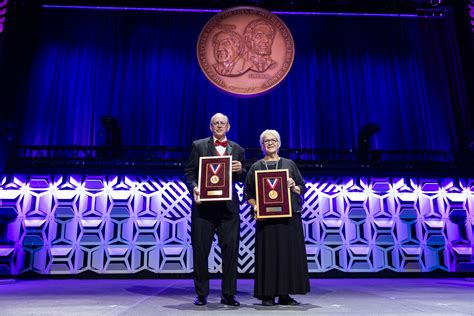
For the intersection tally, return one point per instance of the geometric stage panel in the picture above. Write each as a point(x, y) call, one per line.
point(68, 224)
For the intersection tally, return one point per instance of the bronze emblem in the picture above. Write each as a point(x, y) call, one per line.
point(245, 51)
point(273, 194)
point(214, 179)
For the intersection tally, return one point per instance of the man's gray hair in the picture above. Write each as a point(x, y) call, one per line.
point(212, 118)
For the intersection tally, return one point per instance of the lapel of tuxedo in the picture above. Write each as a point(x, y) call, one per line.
point(228, 149)
point(211, 147)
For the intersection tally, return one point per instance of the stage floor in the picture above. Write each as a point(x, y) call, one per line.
point(174, 297)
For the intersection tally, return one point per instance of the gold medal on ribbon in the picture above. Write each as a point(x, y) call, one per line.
point(215, 169)
point(273, 194)
point(214, 179)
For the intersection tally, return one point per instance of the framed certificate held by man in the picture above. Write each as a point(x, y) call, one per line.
point(273, 193)
point(215, 178)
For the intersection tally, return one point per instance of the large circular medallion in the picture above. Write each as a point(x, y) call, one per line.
point(245, 51)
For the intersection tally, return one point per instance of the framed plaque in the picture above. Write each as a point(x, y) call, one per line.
point(273, 193)
point(215, 178)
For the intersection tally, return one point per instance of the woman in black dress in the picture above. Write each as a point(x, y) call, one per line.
point(281, 267)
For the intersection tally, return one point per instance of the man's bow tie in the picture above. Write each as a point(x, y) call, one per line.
point(221, 143)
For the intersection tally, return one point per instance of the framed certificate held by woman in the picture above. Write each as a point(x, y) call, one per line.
point(273, 194)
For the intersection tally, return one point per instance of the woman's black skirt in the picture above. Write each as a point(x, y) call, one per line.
point(281, 267)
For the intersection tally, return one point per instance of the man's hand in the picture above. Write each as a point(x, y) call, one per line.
point(236, 166)
point(197, 195)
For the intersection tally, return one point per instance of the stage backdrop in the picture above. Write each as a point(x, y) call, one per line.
point(127, 224)
point(140, 67)
point(401, 73)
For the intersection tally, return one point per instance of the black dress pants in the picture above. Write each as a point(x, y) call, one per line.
point(204, 223)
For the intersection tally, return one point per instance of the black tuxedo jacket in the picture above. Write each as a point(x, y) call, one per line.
point(205, 148)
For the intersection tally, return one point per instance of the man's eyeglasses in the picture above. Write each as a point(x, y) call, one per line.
point(268, 141)
point(219, 123)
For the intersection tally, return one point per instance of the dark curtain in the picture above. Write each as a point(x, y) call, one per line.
point(141, 68)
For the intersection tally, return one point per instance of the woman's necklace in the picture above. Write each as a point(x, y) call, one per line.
point(266, 165)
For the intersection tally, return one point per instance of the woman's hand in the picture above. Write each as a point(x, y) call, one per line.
point(291, 183)
point(255, 211)
point(253, 204)
point(293, 187)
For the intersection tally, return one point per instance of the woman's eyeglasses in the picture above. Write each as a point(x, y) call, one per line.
point(268, 141)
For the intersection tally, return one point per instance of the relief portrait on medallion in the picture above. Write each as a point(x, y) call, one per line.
point(235, 55)
point(258, 36)
point(245, 51)
point(228, 52)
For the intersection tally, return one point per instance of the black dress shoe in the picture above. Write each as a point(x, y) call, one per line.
point(287, 300)
point(229, 300)
point(200, 300)
point(268, 302)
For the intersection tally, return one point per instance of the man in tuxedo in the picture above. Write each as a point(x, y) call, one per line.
point(223, 216)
